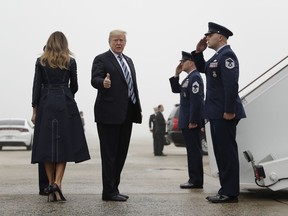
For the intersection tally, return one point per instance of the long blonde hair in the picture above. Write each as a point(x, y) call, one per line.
point(56, 52)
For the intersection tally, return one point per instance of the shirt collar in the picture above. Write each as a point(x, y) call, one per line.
point(116, 55)
point(221, 48)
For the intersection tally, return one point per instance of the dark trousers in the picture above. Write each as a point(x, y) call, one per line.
point(194, 155)
point(159, 143)
point(43, 179)
point(114, 145)
point(223, 133)
point(154, 141)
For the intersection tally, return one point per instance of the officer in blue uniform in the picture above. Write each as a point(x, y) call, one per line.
point(190, 117)
point(223, 107)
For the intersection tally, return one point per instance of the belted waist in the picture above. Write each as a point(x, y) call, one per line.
point(55, 85)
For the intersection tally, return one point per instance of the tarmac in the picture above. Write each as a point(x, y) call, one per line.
point(152, 184)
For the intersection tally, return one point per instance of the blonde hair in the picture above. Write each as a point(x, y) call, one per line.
point(116, 32)
point(56, 52)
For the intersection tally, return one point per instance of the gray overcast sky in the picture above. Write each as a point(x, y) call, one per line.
point(158, 30)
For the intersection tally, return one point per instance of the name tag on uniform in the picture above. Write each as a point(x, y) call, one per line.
point(213, 65)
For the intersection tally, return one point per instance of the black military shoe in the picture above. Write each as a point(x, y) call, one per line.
point(189, 185)
point(222, 199)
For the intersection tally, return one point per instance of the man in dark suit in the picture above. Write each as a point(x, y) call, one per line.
point(190, 117)
point(160, 129)
point(152, 126)
point(117, 106)
point(223, 107)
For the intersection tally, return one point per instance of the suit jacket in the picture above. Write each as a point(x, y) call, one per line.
point(160, 124)
point(222, 74)
point(152, 121)
point(111, 104)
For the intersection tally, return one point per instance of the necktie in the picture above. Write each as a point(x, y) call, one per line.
point(128, 80)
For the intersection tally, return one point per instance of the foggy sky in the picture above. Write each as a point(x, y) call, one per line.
point(157, 32)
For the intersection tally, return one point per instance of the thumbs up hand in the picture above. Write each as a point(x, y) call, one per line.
point(107, 81)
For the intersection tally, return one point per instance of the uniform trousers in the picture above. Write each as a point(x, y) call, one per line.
point(223, 133)
point(194, 155)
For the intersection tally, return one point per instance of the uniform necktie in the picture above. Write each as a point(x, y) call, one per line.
point(128, 79)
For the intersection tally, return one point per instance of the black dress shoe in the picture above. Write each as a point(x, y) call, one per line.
point(161, 154)
point(209, 197)
point(116, 197)
point(43, 193)
point(189, 185)
point(124, 195)
point(222, 199)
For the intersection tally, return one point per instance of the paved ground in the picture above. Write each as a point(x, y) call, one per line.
point(151, 182)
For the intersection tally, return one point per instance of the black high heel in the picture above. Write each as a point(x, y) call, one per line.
point(51, 195)
point(58, 192)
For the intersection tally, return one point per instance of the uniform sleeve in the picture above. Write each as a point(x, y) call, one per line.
point(199, 61)
point(37, 84)
point(174, 83)
point(73, 77)
point(230, 75)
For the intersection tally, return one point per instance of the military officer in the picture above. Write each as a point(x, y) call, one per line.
point(223, 107)
point(190, 117)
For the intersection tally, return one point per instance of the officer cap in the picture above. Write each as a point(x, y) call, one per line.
point(216, 28)
point(187, 56)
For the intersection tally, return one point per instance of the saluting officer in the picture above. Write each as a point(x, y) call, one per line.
point(223, 107)
point(190, 117)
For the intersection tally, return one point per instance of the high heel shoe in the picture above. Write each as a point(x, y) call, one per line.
point(51, 195)
point(58, 192)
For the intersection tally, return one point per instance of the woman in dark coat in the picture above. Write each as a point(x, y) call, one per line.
point(58, 135)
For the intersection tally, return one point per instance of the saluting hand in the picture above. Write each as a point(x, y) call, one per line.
point(202, 45)
point(178, 70)
point(107, 81)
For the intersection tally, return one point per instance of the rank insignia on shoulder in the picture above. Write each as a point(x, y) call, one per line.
point(195, 87)
point(229, 63)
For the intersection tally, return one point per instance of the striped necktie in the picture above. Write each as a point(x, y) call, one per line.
point(128, 79)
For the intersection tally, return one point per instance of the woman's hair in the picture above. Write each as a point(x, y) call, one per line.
point(56, 52)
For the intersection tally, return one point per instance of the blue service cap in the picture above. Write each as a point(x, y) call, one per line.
point(187, 56)
point(216, 28)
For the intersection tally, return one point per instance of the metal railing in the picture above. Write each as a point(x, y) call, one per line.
point(263, 78)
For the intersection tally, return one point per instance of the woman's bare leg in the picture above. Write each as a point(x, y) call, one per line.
point(59, 173)
point(50, 171)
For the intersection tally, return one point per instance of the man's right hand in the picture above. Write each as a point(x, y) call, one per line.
point(178, 70)
point(202, 45)
point(107, 81)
